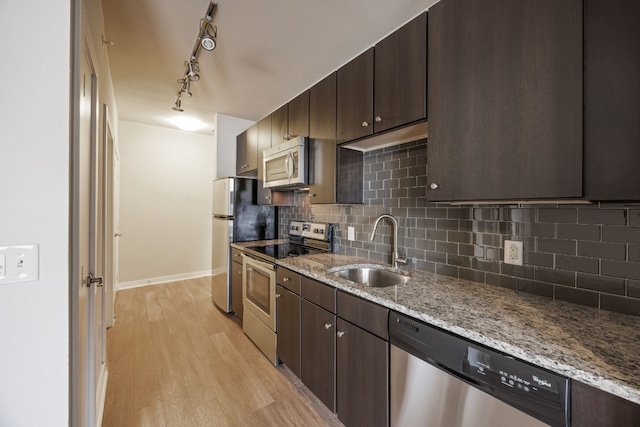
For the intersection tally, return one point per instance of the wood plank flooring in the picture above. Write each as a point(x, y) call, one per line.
point(176, 360)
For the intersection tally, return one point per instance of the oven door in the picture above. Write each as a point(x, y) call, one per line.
point(259, 289)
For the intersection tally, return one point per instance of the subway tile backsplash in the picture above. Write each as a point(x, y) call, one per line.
point(585, 254)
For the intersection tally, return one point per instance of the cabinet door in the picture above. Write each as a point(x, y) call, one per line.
point(400, 93)
point(241, 153)
point(505, 99)
point(322, 141)
point(251, 157)
point(362, 377)
point(612, 99)
point(591, 407)
point(299, 115)
point(280, 125)
point(288, 326)
point(236, 288)
point(355, 98)
point(264, 142)
point(317, 361)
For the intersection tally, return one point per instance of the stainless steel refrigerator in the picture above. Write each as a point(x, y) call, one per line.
point(236, 218)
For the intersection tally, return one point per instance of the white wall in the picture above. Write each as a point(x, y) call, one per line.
point(34, 208)
point(227, 129)
point(165, 203)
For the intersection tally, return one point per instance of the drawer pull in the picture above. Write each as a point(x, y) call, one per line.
point(340, 334)
point(328, 325)
point(285, 279)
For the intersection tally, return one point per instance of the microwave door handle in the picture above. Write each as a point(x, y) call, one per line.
point(286, 166)
point(290, 173)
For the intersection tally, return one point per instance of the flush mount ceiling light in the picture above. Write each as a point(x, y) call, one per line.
point(206, 40)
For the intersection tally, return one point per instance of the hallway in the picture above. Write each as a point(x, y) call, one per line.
point(175, 360)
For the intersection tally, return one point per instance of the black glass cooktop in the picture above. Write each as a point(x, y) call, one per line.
point(284, 250)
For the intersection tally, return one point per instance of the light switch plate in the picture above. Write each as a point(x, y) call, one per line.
point(21, 263)
point(3, 259)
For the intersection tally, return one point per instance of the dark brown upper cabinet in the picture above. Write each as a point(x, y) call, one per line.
point(299, 115)
point(335, 174)
point(264, 142)
point(247, 152)
point(355, 98)
point(612, 99)
point(280, 125)
point(505, 100)
point(401, 76)
point(265, 195)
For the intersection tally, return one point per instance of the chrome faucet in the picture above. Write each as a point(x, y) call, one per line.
point(395, 259)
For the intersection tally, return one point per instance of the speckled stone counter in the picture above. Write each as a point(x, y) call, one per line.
point(596, 347)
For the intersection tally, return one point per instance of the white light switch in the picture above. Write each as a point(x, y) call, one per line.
point(19, 263)
point(351, 234)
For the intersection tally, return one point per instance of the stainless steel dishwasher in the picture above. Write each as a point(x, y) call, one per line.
point(442, 380)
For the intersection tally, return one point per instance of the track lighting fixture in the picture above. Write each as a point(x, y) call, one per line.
point(206, 40)
point(185, 88)
point(192, 70)
point(178, 105)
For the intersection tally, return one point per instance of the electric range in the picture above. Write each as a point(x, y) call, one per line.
point(305, 238)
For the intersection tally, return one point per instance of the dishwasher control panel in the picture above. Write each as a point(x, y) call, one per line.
point(503, 371)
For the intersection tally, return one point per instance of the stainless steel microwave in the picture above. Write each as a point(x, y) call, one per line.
point(285, 165)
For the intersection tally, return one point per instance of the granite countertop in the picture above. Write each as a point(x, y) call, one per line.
point(596, 347)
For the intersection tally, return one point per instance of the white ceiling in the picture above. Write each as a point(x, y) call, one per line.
point(268, 51)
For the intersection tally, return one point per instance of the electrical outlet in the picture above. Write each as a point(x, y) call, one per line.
point(351, 234)
point(512, 252)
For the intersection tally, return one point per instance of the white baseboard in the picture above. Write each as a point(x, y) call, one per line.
point(102, 394)
point(165, 279)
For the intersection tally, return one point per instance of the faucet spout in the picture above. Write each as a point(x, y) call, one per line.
point(395, 258)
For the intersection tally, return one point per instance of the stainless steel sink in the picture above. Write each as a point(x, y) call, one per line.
point(373, 277)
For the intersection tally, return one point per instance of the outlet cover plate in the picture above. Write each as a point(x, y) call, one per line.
point(21, 263)
point(351, 234)
point(512, 252)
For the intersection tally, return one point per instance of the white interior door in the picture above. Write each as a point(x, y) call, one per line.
point(83, 392)
point(109, 239)
point(116, 221)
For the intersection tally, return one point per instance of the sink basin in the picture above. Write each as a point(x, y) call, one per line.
point(373, 277)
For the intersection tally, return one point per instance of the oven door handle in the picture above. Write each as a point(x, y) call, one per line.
point(258, 263)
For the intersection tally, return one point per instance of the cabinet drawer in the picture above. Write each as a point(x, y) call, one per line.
point(365, 314)
point(319, 294)
point(288, 279)
point(236, 255)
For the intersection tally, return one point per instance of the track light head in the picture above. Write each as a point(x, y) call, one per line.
point(185, 88)
point(178, 105)
point(208, 39)
point(192, 70)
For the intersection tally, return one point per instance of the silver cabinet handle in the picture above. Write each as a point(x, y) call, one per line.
point(378, 119)
point(285, 279)
point(340, 334)
point(117, 235)
point(328, 325)
point(365, 124)
point(278, 295)
point(434, 186)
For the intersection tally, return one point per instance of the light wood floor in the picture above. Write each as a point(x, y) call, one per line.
point(175, 360)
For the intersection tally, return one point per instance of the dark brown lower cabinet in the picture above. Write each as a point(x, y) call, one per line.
point(591, 407)
point(362, 377)
point(288, 326)
point(318, 343)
